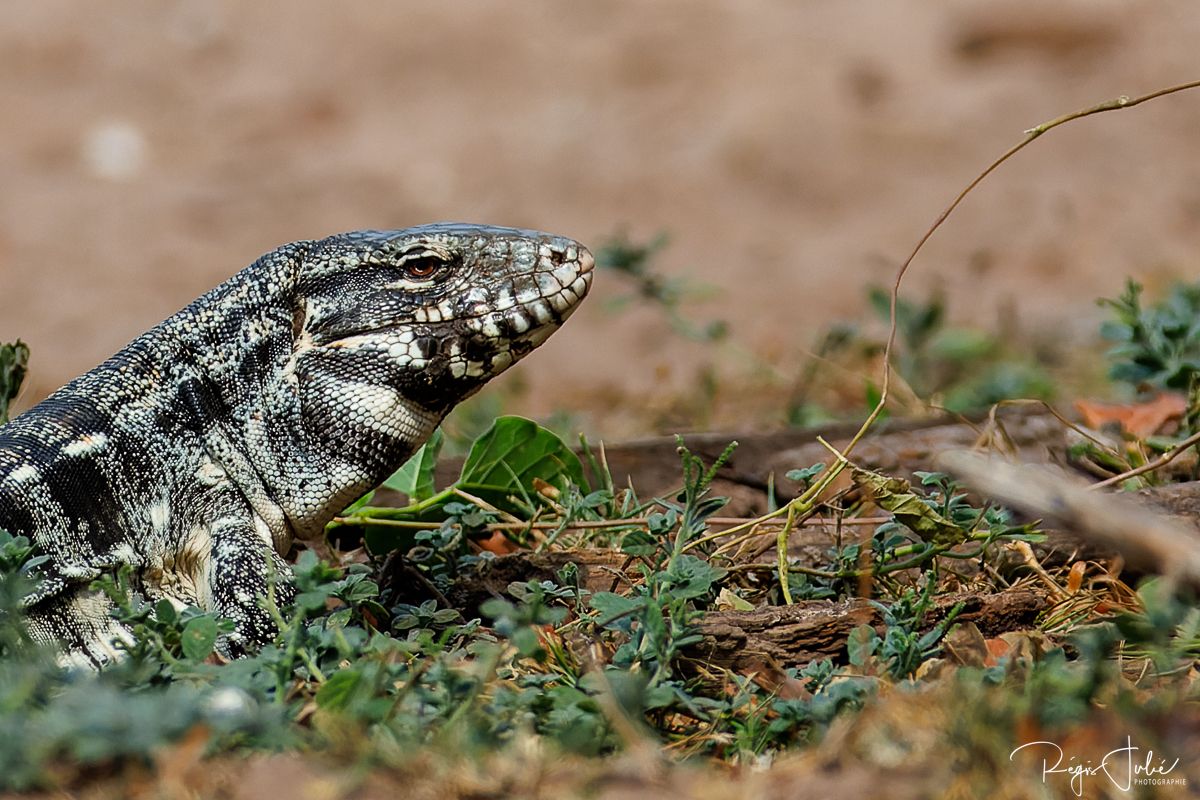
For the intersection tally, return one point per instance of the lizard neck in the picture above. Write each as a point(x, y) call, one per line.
point(289, 422)
point(233, 341)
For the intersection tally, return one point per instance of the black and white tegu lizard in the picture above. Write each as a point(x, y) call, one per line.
point(253, 416)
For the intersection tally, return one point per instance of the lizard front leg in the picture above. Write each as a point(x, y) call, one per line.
point(227, 568)
point(79, 623)
point(241, 569)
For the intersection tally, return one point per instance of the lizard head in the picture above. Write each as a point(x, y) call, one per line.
point(393, 328)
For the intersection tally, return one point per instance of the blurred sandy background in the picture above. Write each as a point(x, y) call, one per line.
point(793, 151)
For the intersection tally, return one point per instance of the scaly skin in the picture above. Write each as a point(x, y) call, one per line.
point(253, 416)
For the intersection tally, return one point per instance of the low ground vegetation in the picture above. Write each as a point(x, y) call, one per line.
point(535, 628)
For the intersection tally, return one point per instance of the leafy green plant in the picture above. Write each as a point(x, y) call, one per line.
point(923, 527)
point(798, 721)
point(634, 261)
point(53, 718)
point(501, 468)
point(655, 622)
point(965, 367)
point(361, 677)
point(163, 635)
point(1156, 346)
point(18, 565)
point(903, 647)
point(959, 368)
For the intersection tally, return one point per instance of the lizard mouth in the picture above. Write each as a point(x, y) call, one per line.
point(498, 337)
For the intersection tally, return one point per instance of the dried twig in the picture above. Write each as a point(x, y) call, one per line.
point(1150, 466)
point(807, 500)
point(1030, 135)
point(1145, 538)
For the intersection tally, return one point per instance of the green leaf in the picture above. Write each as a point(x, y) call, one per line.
point(639, 543)
point(616, 611)
point(804, 476)
point(861, 644)
point(415, 478)
point(500, 470)
point(164, 611)
point(514, 451)
point(1115, 331)
point(339, 689)
point(199, 636)
point(526, 640)
point(692, 577)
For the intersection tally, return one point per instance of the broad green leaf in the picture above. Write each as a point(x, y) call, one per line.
point(861, 644)
point(336, 692)
point(164, 611)
point(616, 610)
point(198, 638)
point(639, 543)
point(527, 642)
point(514, 451)
point(500, 470)
point(415, 478)
point(660, 696)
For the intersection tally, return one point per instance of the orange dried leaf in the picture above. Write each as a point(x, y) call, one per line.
point(996, 650)
point(545, 489)
point(1075, 577)
point(499, 544)
point(1137, 419)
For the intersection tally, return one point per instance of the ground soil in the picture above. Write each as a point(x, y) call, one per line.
point(793, 151)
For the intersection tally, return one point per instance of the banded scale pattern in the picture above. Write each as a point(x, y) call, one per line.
point(199, 452)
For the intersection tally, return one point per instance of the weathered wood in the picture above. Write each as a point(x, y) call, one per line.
point(746, 641)
point(791, 636)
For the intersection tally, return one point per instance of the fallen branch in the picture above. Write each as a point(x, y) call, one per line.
point(793, 635)
point(1147, 540)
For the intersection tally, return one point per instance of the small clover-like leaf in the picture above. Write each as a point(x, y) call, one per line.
point(199, 637)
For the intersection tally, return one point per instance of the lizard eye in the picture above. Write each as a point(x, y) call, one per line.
point(422, 264)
